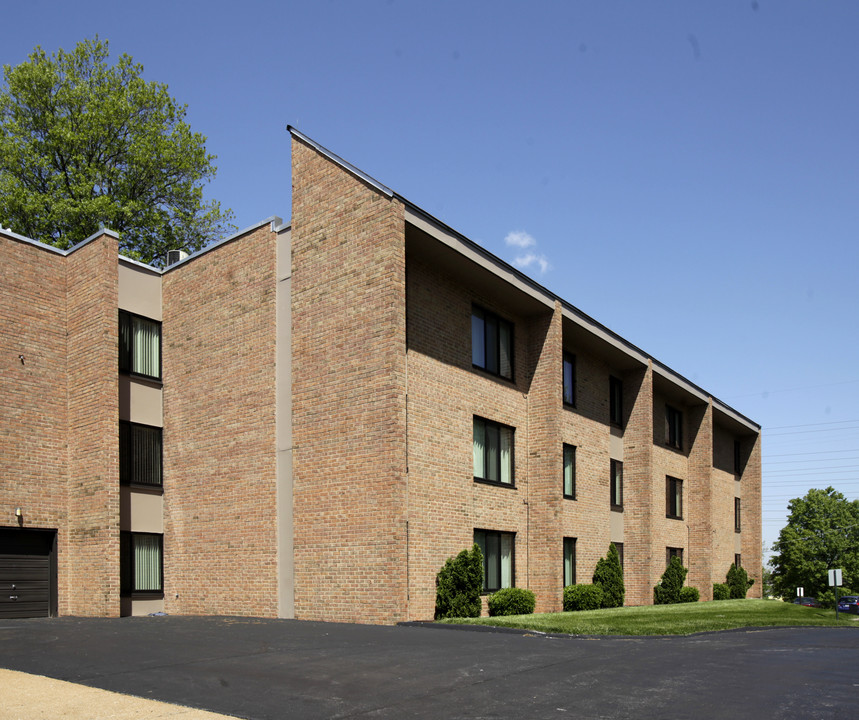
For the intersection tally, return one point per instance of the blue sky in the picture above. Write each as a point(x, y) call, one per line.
point(685, 172)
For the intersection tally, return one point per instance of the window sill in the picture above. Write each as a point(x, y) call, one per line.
point(617, 508)
point(494, 376)
point(674, 517)
point(569, 406)
point(495, 483)
point(155, 381)
point(143, 594)
point(147, 489)
point(570, 497)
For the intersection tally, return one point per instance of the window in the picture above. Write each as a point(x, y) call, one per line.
point(738, 460)
point(672, 553)
point(738, 560)
point(616, 485)
point(673, 427)
point(569, 561)
point(139, 454)
point(569, 379)
point(497, 549)
point(619, 548)
point(673, 498)
point(737, 524)
point(615, 401)
point(493, 452)
point(569, 471)
point(139, 345)
point(141, 563)
point(491, 343)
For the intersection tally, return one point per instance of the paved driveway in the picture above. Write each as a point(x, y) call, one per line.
point(260, 669)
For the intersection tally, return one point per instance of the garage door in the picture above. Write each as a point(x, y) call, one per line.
point(27, 573)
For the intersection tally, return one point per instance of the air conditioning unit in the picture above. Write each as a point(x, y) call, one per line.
point(174, 256)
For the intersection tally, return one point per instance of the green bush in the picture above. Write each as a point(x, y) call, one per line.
point(609, 576)
point(512, 601)
point(667, 591)
point(738, 582)
point(721, 591)
point(458, 585)
point(827, 597)
point(689, 594)
point(582, 597)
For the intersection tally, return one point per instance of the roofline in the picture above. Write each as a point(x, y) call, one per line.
point(51, 248)
point(507, 272)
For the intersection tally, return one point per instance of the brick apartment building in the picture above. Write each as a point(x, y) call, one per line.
point(305, 420)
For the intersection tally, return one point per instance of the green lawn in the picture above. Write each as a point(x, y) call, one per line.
point(671, 619)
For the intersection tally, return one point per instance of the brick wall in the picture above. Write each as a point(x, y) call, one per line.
point(219, 319)
point(349, 404)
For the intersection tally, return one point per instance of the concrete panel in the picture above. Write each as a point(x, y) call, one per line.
point(147, 512)
point(147, 606)
point(140, 401)
point(615, 447)
point(616, 527)
point(140, 290)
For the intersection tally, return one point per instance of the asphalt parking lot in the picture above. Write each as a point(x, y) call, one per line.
point(260, 669)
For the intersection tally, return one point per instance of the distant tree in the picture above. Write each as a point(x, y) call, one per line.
point(822, 533)
point(608, 574)
point(84, 144)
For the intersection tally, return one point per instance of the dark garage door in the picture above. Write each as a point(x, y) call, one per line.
point(27, 573)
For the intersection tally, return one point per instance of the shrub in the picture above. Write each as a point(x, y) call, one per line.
point(827, 597)
point(582, 597)
point(609, 576)
point(689, 594)
point(738, 581)
point(667, 591)
point(512, 601)
point(721, 591)
point(458, 585)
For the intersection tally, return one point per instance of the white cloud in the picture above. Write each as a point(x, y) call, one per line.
point(520, 239)
point(523, 262)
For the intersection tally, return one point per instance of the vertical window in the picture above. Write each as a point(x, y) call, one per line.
point(615, 401)
point(673, 552)
point(616, 485)
point(493, 452)
point(141, 563)
point(497, 549)
point(738, 460)
point(738, 560)
point(139, 454)
point(569, 471)
point(491, 343)
point(569, 561)
point(139, 345)
point(737, 523)
point(673, 427)
point(569, 379)
point(673, 498)
point(619, 547)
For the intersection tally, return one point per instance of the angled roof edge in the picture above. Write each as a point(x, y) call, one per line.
point(50, 248)
point(516, 277)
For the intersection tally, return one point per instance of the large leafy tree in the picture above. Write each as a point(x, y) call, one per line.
point(822, 533)
point(85, 144)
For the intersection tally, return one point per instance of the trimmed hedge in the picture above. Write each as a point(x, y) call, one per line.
point(583, 597)
point(609, 576)
point(721, 591)
point(512, 601)
point(667, 591)
point(458, 585)
point(689, 594)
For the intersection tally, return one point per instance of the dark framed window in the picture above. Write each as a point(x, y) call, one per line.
point(141, 563)
point(737, 518)
point(673, 552)
point(673, 498)
point(615, 401)
point(140, 454)
point(491, 343)
point(139, 345)
point(673, 427)
point(498, 558)
point(738, 458)
point(619, 547)
point(616, 482)
point(569, 379)
point(570, 471)
point(493, 452)
point(738, 560)
point(569, 561)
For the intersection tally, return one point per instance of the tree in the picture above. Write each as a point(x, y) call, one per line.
point(738, 582)
point(667, 591)
point(822, 533)
point(458, 585)
point(608, 574)
point(85, 145)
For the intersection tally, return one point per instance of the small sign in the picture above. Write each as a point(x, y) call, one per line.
point(800, 592)
point(835, 578)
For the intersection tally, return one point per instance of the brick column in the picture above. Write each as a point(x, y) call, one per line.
point(698, 495)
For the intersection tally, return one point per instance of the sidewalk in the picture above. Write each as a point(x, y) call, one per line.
point(33, 697)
